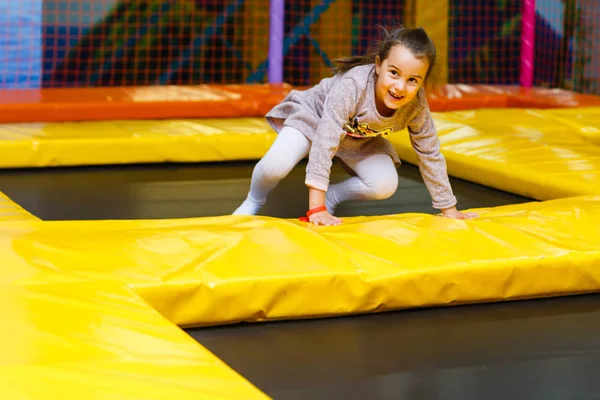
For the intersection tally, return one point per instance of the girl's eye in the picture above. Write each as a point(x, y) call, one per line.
point(394, 72)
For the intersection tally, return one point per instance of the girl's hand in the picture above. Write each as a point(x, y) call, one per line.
point(316, 199)
point(455, 214)
point(324, 218)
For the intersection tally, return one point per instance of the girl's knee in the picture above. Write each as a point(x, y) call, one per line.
point(380, 176)
point(384, 186)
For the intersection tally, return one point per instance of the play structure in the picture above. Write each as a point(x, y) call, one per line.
point(96, 307)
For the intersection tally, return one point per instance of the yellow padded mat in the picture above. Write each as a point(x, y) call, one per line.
point(126, 142)
point(10, 211)
point(216, 270)
point(100, 341)
point(109, 343)
point(541, 154)
point(585, 121)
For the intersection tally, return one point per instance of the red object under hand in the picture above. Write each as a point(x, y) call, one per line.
point(311, 212)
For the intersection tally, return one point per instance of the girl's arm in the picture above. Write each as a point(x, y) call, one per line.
point(425, 142)
point(339, 106)
point(316, 198)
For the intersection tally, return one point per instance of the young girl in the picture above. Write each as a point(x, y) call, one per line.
point(348, 116)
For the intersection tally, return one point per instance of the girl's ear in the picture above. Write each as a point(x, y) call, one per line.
point(377, 64)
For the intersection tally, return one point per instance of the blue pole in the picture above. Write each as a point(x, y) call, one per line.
point(276, 35)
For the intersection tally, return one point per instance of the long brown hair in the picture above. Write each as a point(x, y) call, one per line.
point(414, 39)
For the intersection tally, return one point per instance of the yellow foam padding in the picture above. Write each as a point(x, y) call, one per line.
point(10, 211)
point(125, 142)
point(541, 154)
point(100, 341)
point(225, 269)
point(585, 121)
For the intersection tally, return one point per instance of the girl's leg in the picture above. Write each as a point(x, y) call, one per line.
point(290, 146)
point(377, 180)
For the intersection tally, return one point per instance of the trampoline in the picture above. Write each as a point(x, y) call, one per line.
point(137, 210)
point(526, 349)
point(124, 276)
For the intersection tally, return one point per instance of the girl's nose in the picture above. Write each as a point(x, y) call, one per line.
point(400, 86)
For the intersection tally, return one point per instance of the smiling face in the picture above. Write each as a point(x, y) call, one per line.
point(399, 78)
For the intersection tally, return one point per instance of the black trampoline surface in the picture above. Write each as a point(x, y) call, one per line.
point(537, 349)
point(176, 190)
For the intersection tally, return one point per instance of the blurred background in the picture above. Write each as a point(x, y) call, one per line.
point(74, 43)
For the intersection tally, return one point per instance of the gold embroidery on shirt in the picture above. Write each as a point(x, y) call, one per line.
point(355, 129)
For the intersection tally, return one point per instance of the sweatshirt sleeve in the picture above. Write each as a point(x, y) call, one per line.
point(432, 164)
point(339, 106)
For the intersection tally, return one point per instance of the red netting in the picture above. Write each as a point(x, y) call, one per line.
point(65, 43)
point(568, 45)
point(320, 32)
point(148, 42)
point(484, 41)
point(478, 42)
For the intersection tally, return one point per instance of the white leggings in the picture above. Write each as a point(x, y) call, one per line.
point(377, 176)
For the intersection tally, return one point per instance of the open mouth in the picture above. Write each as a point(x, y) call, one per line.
point(395, 97)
